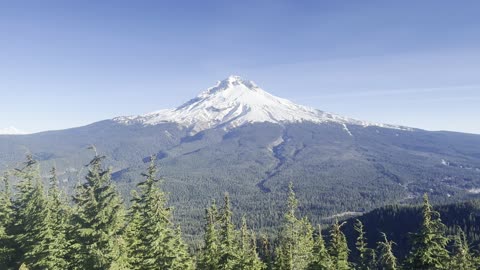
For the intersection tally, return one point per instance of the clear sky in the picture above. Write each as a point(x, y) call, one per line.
point(70, 63)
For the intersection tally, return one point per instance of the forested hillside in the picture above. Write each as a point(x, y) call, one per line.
point(333, 172)
point(398, 221)
point(42, 228)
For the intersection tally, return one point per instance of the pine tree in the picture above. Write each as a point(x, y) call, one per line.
point(50, 247)
point(295, 249)
point(157, 244)
point(229, 257)
point(429, 244)
point(338, 247)
point(249, 259)
point(321, 260)
point(54, 242)
point(98, 222)
point(210, 255)
point(266, 253)
point(386, 258)
point(35, 229)
point(7, 245)
point(366, 256)
point(132, 234)
point(461, 256)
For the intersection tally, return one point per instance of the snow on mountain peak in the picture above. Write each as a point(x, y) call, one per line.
point(234, 102)
point(11, 131)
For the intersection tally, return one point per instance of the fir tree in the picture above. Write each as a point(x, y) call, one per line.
point(229, 257)
point(338, 247)
point(366, 256)
point(295, 249)
point(461, 255)
point(321, 258)
point(7, 245)
point(249, 259)
point(132, 234)
point(54, 245)
point(210, 256)
point(35, 228)
point(266, 253)
point(98, 221)
point(386, 258)
point(429, 244)
point(154, 242)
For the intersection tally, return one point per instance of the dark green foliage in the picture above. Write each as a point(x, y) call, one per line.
point(386, 258)
point(462, 257)
point(375, 167)
point(98, 222)
point(429, 244)
point(266, 253)
point(7, 244)
point(229, 248)
point(295, 248)
point(152, 241)
point(210, 255)
point(35, 226)
point(338, 247)
point(321, 257)
point(366, 256)
point(35, 223)
point(249, 259)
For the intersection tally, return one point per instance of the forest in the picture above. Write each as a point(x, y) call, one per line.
point(43, 228)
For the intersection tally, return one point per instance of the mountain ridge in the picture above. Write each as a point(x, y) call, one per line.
point(233, 102)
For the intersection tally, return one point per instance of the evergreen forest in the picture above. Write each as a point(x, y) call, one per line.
point(43, 228)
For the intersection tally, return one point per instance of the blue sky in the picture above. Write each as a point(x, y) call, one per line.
point(70, 63)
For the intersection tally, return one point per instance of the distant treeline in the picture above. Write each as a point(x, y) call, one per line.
point(40, 228)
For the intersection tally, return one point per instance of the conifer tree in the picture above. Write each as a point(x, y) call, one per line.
point(249, 259)
point(338, 247)
point(34, 227)
point(157, 244)
point(321, 258)
point(98, 222)
point(295, 248)
point(229, 257)
point(429, 244)
point(7, 245)
point(210, 256)
point(461, 256)
point(132, 233)
point(46, 233)
point(386, 258)
point(366, 256)
point(266, 252)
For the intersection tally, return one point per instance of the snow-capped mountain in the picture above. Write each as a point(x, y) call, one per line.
point(11, 131)
point(234, 102)
point(251, 143)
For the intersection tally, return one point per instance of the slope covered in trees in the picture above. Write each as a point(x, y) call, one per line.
point(398, 221)
point(40, 228)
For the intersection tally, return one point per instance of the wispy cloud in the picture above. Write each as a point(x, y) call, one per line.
point(392, 92)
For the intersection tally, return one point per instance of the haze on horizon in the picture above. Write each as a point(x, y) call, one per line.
point(67, 64)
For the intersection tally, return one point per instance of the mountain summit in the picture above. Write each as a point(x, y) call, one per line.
point(234, 102)
point(11, 131)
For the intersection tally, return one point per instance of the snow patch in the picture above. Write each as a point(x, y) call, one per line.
point(275, 143)
point(11, 131)
point(347, 130)
point(234, 102)
point(474, 190)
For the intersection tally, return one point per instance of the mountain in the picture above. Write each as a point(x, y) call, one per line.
point(11, 131)
point(235, 102)
point(237, 138)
